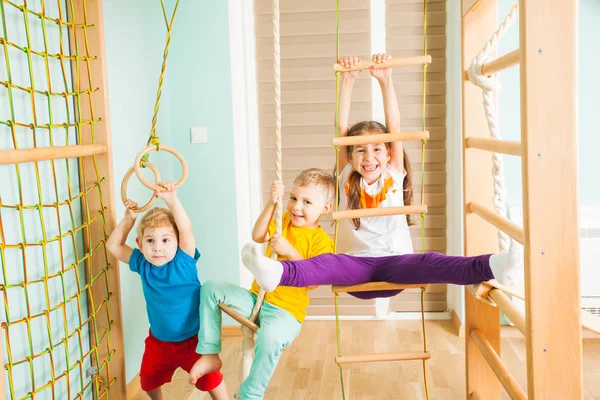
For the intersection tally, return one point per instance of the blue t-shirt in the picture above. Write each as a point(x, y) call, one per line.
point(172, 294)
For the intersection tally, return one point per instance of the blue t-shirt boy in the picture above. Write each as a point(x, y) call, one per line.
point(172, 293)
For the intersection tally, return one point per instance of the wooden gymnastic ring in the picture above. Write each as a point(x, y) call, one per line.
point(138, 159)
point(128, 174)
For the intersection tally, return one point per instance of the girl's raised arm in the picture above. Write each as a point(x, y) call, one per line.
point(390, 107)
point(347, 84)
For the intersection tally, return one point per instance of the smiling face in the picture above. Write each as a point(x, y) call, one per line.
point(370, 160)
point(158, 245)
point(307, 204)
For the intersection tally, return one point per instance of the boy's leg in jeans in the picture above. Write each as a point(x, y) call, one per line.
point(209, 335)
point(211, 294)
point(278, 329)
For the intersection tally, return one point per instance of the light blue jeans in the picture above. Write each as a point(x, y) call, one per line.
point(278, 329)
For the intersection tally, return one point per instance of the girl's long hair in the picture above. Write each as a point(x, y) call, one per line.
point(373, 128)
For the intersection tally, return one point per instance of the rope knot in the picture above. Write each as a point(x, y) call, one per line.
point(424, 141)
point(155, 140)
point(144, 159)
point(476, 75)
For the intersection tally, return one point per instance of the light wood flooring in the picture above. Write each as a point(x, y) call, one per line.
point(307, 370)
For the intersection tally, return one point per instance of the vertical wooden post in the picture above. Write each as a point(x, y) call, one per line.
point(548, 42)
point(479, 22)
point(91, 75)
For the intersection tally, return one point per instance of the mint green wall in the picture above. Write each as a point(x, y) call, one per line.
point(589, 86)
point(199, 83)
point(134, 38)
point(197, 92)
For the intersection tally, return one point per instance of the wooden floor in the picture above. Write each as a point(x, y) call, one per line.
point(307, 370)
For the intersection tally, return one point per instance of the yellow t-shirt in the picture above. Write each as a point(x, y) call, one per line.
point(309, 242)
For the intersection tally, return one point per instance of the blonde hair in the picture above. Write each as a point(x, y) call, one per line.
point(155, 218)
point(372, 128)
point(319, 178)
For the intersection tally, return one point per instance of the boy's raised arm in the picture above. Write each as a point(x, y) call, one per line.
point(260, 232)
point(116, 241)
point(187, 242)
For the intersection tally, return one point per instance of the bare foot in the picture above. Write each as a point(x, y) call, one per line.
point(206, 364)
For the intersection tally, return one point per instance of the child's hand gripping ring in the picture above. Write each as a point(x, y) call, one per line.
point(125, 182)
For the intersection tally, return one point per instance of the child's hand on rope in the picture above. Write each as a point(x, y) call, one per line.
point(130, 207)
point(349, 62)
point(276, 191)
point(167, 192)
point(280, 245)
point(381, 74)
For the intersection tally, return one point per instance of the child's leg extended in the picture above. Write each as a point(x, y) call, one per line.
point(436, 268)
point(278, 329)
point(209, 335)
point(326, 269)
point(212, 381)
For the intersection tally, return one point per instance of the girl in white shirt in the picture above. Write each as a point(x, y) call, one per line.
point(376, 248)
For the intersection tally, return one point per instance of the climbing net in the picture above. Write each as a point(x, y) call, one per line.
point(56, 325)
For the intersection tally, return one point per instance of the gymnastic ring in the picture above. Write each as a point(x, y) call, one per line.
point(138, 159)
point(125, 182)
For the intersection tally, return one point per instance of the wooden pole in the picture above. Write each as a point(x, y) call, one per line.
point(501, 63)
point(496, 146)
point(374, 286)
point(416, 355)
point(478, 24)
point(495, 362)
point(87, 76)
point(512, 230)
point(380, 138)
point(548, 43)
point(51, 153)
point(378, 212)
point(394, 62)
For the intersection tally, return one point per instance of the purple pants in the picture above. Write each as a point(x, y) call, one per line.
point(342, 269)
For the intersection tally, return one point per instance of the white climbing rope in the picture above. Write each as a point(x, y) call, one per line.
point(488, 85)
point(248, 343)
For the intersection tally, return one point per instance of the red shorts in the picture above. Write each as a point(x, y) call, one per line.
point(161, 359)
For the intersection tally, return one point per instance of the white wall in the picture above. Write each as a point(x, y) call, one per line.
point(454, 198)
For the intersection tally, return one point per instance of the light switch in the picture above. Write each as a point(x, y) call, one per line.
point(199, 135)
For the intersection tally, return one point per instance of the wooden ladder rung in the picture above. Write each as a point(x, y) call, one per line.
point(375, 357)
point(498, 366)
point(499, 64)
point(394, 62)
point(510, 310)
point(512, 148)
point(379, 212)
point(485, 291)
point(512, 230)
point(51, 153)
point(379, 138)
point(372, 286)
point(238, 317)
